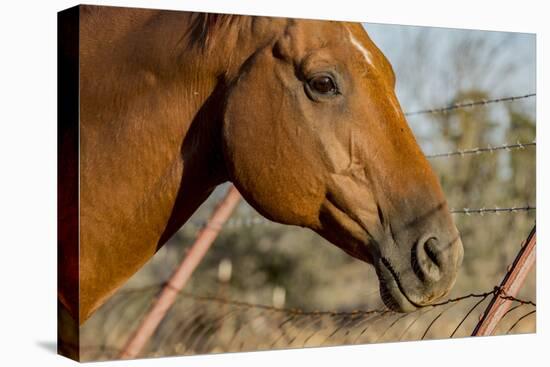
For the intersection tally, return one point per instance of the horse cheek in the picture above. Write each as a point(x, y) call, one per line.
point(263, 158)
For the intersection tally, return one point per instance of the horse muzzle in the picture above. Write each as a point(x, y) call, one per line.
point(420, 278)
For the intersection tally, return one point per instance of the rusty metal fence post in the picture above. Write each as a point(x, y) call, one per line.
point(509, 287)
point(181, 275)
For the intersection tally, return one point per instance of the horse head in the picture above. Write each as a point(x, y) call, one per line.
point(313, 135)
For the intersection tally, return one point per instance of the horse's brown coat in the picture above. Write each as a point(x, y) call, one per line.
point(174, 103)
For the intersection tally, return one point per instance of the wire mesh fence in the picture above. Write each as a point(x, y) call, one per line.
point(201, 324)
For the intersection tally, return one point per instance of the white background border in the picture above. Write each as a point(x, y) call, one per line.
point(28, 181)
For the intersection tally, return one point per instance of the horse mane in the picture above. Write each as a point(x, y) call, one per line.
point(206, 28)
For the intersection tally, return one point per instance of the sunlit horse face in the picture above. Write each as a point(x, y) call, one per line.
point(314, 136)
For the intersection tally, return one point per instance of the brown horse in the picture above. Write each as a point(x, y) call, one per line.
point(300, 115)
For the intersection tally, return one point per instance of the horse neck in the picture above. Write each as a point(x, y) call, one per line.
point(150, 149)
point(150, 138)
point(155, 108)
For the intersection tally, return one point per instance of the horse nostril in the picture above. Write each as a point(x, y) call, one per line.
point(427, 259)
point(432, 250)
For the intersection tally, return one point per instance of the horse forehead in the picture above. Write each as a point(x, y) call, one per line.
point(341, 33)
point(359, 46)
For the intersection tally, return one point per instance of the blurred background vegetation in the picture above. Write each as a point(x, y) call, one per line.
point(257, 261)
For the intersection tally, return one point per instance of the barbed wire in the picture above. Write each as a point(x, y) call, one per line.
point(211, 298)
point(489, 149)
point(461, 105)
point(298, 311)
point(495, 210)
point(255, 220)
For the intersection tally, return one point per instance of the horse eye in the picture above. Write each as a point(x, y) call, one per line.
point(322, 84)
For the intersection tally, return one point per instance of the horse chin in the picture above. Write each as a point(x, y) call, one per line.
point(391, 291)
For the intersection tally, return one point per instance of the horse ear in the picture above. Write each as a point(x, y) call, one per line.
point(281, 49)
